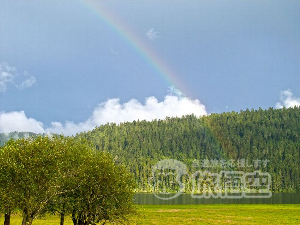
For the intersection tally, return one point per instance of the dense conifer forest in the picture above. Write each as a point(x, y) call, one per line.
point(265, 140)
point(268, 140)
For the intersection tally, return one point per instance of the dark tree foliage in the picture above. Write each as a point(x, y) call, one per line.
point(140, 145)
point(271, 134)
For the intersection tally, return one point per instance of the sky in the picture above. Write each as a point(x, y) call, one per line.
point(68, 66)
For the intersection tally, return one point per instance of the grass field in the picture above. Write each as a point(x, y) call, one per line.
point(201, 214)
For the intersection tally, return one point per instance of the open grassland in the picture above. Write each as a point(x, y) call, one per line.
point(200, 214)
point(220, 214)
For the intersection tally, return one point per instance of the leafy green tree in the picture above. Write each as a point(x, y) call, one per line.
point(34, 171)
point(32, 168)
point(106, 193)
point(75, 158)
point(97, 191)
point(65, 175)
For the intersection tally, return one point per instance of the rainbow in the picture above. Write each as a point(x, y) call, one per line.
point(138, 43)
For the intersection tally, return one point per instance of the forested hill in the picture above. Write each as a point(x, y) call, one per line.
point(267, 139)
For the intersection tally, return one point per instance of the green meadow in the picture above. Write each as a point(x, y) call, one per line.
point(200, 214)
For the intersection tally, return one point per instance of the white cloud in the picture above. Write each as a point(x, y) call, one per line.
point(17, 121)
point(113, 111)
point(152, 34)
point(7, 75)
point(108, 112)
point(27, 83)
point(287, 100)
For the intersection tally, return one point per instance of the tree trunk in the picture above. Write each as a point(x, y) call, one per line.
point(75, 222)
point(62, 218)
point(24, 221)
point(7, 219)
point(27, 218)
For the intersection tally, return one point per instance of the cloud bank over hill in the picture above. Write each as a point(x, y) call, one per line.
point(111, 111)
point(18, 121)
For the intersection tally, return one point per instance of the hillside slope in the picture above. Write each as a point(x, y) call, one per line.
point(268, 140)
point(264, 140)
